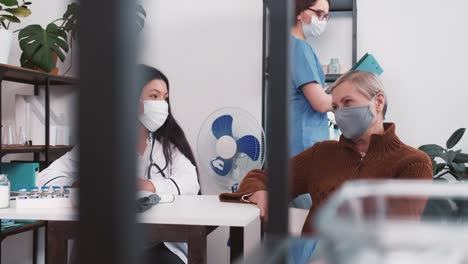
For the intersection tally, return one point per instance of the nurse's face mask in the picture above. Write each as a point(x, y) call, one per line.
point(354, 121)
point(155, 113)
point(317, 24)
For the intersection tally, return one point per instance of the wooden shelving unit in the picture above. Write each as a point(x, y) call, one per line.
point(37, 79)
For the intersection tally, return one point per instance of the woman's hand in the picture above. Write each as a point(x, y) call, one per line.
point(145, 185)
point(260, 198)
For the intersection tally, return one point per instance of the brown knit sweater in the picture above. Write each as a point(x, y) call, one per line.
point(323, 168)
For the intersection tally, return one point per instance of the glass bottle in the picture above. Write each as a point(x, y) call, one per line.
point(334, 66)
point(23, 193)
point(56, 192)
point(4, 191)
point(45, 192)
point(66, 191)
point(34, 193)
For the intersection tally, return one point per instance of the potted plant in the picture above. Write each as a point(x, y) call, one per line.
point(10, 12)
point(446, 160)
point(447, 163)
point(42, 46)
point(42, 53)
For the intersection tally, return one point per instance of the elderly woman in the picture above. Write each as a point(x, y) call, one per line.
point(368, 149)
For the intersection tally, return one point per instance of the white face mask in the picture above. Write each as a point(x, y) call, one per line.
point(154, 115)
point(315, 28)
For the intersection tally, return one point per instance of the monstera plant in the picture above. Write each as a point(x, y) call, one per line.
point(41, 46)
point(11, 11)
point(446, 160)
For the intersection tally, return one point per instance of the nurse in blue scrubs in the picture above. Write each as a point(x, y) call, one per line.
point(308, 99)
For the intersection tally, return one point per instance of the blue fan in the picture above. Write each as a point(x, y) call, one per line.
point(230, 144)
point(227, 146)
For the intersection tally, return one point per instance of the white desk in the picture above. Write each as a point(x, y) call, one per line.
point(184, 213)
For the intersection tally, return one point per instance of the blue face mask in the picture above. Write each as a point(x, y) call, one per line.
point(355, 120)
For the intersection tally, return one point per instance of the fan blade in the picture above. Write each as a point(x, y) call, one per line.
point(250, 146)
point(222, 126)
point(221, 166)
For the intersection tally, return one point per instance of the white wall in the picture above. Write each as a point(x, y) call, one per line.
point(421, 46)
point(211, 52)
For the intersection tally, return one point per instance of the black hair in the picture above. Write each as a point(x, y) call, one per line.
point(170, 133)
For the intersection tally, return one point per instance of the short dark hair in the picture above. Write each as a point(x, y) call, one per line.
point(302, 5)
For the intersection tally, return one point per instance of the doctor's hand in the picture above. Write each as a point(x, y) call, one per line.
point(145, 185)
point(260, 198)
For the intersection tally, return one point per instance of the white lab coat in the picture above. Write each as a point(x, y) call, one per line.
point(181, 176)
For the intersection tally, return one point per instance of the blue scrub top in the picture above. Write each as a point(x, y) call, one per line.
point(307, 125)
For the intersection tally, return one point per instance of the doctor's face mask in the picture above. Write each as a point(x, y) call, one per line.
point(154, 108)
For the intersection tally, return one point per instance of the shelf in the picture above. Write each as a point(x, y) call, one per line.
point(7, 149)
point(330, 78)
point(28, 76)
point(26, 227)
point(341, 6)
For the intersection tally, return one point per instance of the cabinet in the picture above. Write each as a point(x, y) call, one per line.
point(37, 80)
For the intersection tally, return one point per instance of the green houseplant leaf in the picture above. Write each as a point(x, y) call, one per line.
point(432, 150)
point(39, 44)
point(455, 138)
point(9, 2)
point(21, 11)
point(461, 158)
point(439, 167)
point(70, 19)
point(11, 18)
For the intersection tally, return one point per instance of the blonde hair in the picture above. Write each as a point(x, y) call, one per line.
point(367, 83)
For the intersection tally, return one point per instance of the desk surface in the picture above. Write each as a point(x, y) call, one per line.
point(185, 210)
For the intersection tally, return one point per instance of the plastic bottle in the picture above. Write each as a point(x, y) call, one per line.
point(4, 191)
point(66, 191)
point(34, 193)
point(56, 192)
point(23, 193)
point(45, 192)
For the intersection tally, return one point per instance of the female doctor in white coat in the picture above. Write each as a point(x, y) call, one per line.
point(165, 162)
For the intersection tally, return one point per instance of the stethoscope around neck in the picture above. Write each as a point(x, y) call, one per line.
point(152, 163)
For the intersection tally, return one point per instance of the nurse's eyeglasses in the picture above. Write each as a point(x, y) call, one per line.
point(320, 14)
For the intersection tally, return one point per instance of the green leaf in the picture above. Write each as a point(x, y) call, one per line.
point(459, 168)
point(432, 150)
point(9, 2)
point(39, 44)
point(27, 3)
point(448, 156)
point(455, 138)
point(461, 158)
point(2, 22)
point(12, 19)
point(440, 167)
point(434, 166)
point(19, 11)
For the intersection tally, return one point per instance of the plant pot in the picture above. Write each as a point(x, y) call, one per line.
point(54, 70)
point(5, 38)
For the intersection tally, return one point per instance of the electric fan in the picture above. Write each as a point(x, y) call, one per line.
point(230, 144)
